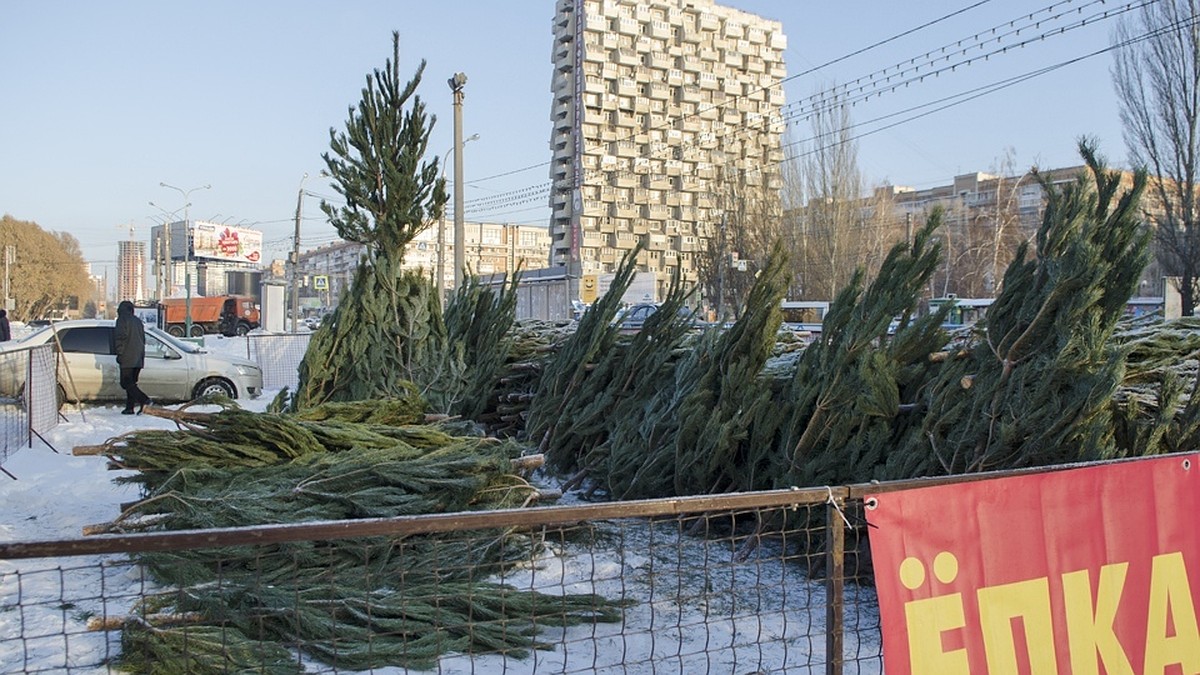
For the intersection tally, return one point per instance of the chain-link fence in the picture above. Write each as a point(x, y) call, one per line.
point(279, 356)
point(29, 397)
point(749, 583)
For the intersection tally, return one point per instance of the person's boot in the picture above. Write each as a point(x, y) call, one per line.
point(127, 411)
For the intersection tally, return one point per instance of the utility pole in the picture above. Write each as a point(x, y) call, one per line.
point(10, 256)
point(296, 257)
point(456, 85)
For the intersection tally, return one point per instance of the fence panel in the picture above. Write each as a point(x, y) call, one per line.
point(730, 584)
point(28, 396)
point(279, 355)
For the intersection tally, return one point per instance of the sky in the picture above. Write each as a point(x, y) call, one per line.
point(103, 101)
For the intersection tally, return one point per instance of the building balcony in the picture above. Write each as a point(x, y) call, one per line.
point(657, 181)
point(625, 179)
point(627, 26)
point(659, 60)
point(627, 57)
point(690, 93)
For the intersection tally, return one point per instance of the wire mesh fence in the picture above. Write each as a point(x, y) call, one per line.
point(279, 356)
point(749, 583)
point(29, 397)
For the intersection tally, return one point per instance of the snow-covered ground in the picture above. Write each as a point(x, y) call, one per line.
point(694, 612)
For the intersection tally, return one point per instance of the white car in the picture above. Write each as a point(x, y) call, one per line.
point(174, 370)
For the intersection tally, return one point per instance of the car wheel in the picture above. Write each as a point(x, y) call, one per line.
point(175, 331)
point(242, 328)
point(197, 330)
point(214, 386)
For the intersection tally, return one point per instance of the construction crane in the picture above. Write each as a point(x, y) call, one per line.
point(132, 230)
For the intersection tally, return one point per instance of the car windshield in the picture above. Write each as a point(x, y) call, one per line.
point(188, 347)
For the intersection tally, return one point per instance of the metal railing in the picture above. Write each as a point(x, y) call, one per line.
point(754, 582)
point(28, 396)
point(279, 355)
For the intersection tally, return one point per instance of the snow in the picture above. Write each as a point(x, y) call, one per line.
point(687, 618)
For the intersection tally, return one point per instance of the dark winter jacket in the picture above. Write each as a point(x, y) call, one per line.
point(129, 338)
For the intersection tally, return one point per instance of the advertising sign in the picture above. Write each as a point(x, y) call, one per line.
point(225, 242)
point(1083, 571)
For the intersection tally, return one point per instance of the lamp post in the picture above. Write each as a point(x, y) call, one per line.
point(457, 82)
point(164, 250)
point(187, 254)
point(441, 244)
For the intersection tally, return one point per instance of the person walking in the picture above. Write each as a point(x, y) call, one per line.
point(130, 347)
point(5, 329)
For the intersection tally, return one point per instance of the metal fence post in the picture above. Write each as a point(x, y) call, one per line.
point(835, 569)
point(29, 396)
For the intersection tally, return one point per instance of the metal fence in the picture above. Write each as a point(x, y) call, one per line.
point(756, 582)
point(28, 397)
point(279, 356)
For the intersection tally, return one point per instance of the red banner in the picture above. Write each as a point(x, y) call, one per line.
point(1083, 571)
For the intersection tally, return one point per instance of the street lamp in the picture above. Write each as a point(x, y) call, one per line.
point(187, 254)
point(441, 244)
point(164, 251)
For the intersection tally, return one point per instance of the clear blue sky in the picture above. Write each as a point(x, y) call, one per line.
point(102, 101)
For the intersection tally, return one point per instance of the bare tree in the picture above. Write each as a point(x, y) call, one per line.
point(1156, 74)
point(829, 225)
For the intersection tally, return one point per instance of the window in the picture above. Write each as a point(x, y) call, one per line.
point(95, 340)
point(155, 349)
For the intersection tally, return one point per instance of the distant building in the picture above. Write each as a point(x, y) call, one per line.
point(982, 211)
point(131, 271)
point(327, 271)
point(214, 258)
point(662, 110)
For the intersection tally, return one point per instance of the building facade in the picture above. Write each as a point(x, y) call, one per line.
point(131, 271)
point(985, 218)
point(663, 111)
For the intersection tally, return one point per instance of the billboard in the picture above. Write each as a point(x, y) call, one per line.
point(226, 242)
point(1086, 570)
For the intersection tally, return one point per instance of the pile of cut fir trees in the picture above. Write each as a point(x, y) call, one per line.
point(1051, 376)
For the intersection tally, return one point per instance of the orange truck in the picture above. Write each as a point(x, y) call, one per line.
point(225, 314)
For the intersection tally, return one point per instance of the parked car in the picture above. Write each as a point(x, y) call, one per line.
point(634, 317)
point(174, 370)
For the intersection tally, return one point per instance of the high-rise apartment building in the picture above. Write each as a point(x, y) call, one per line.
point(131, 271)
point(665, 113)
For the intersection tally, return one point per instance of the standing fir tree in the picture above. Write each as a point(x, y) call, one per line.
point(388, 328)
